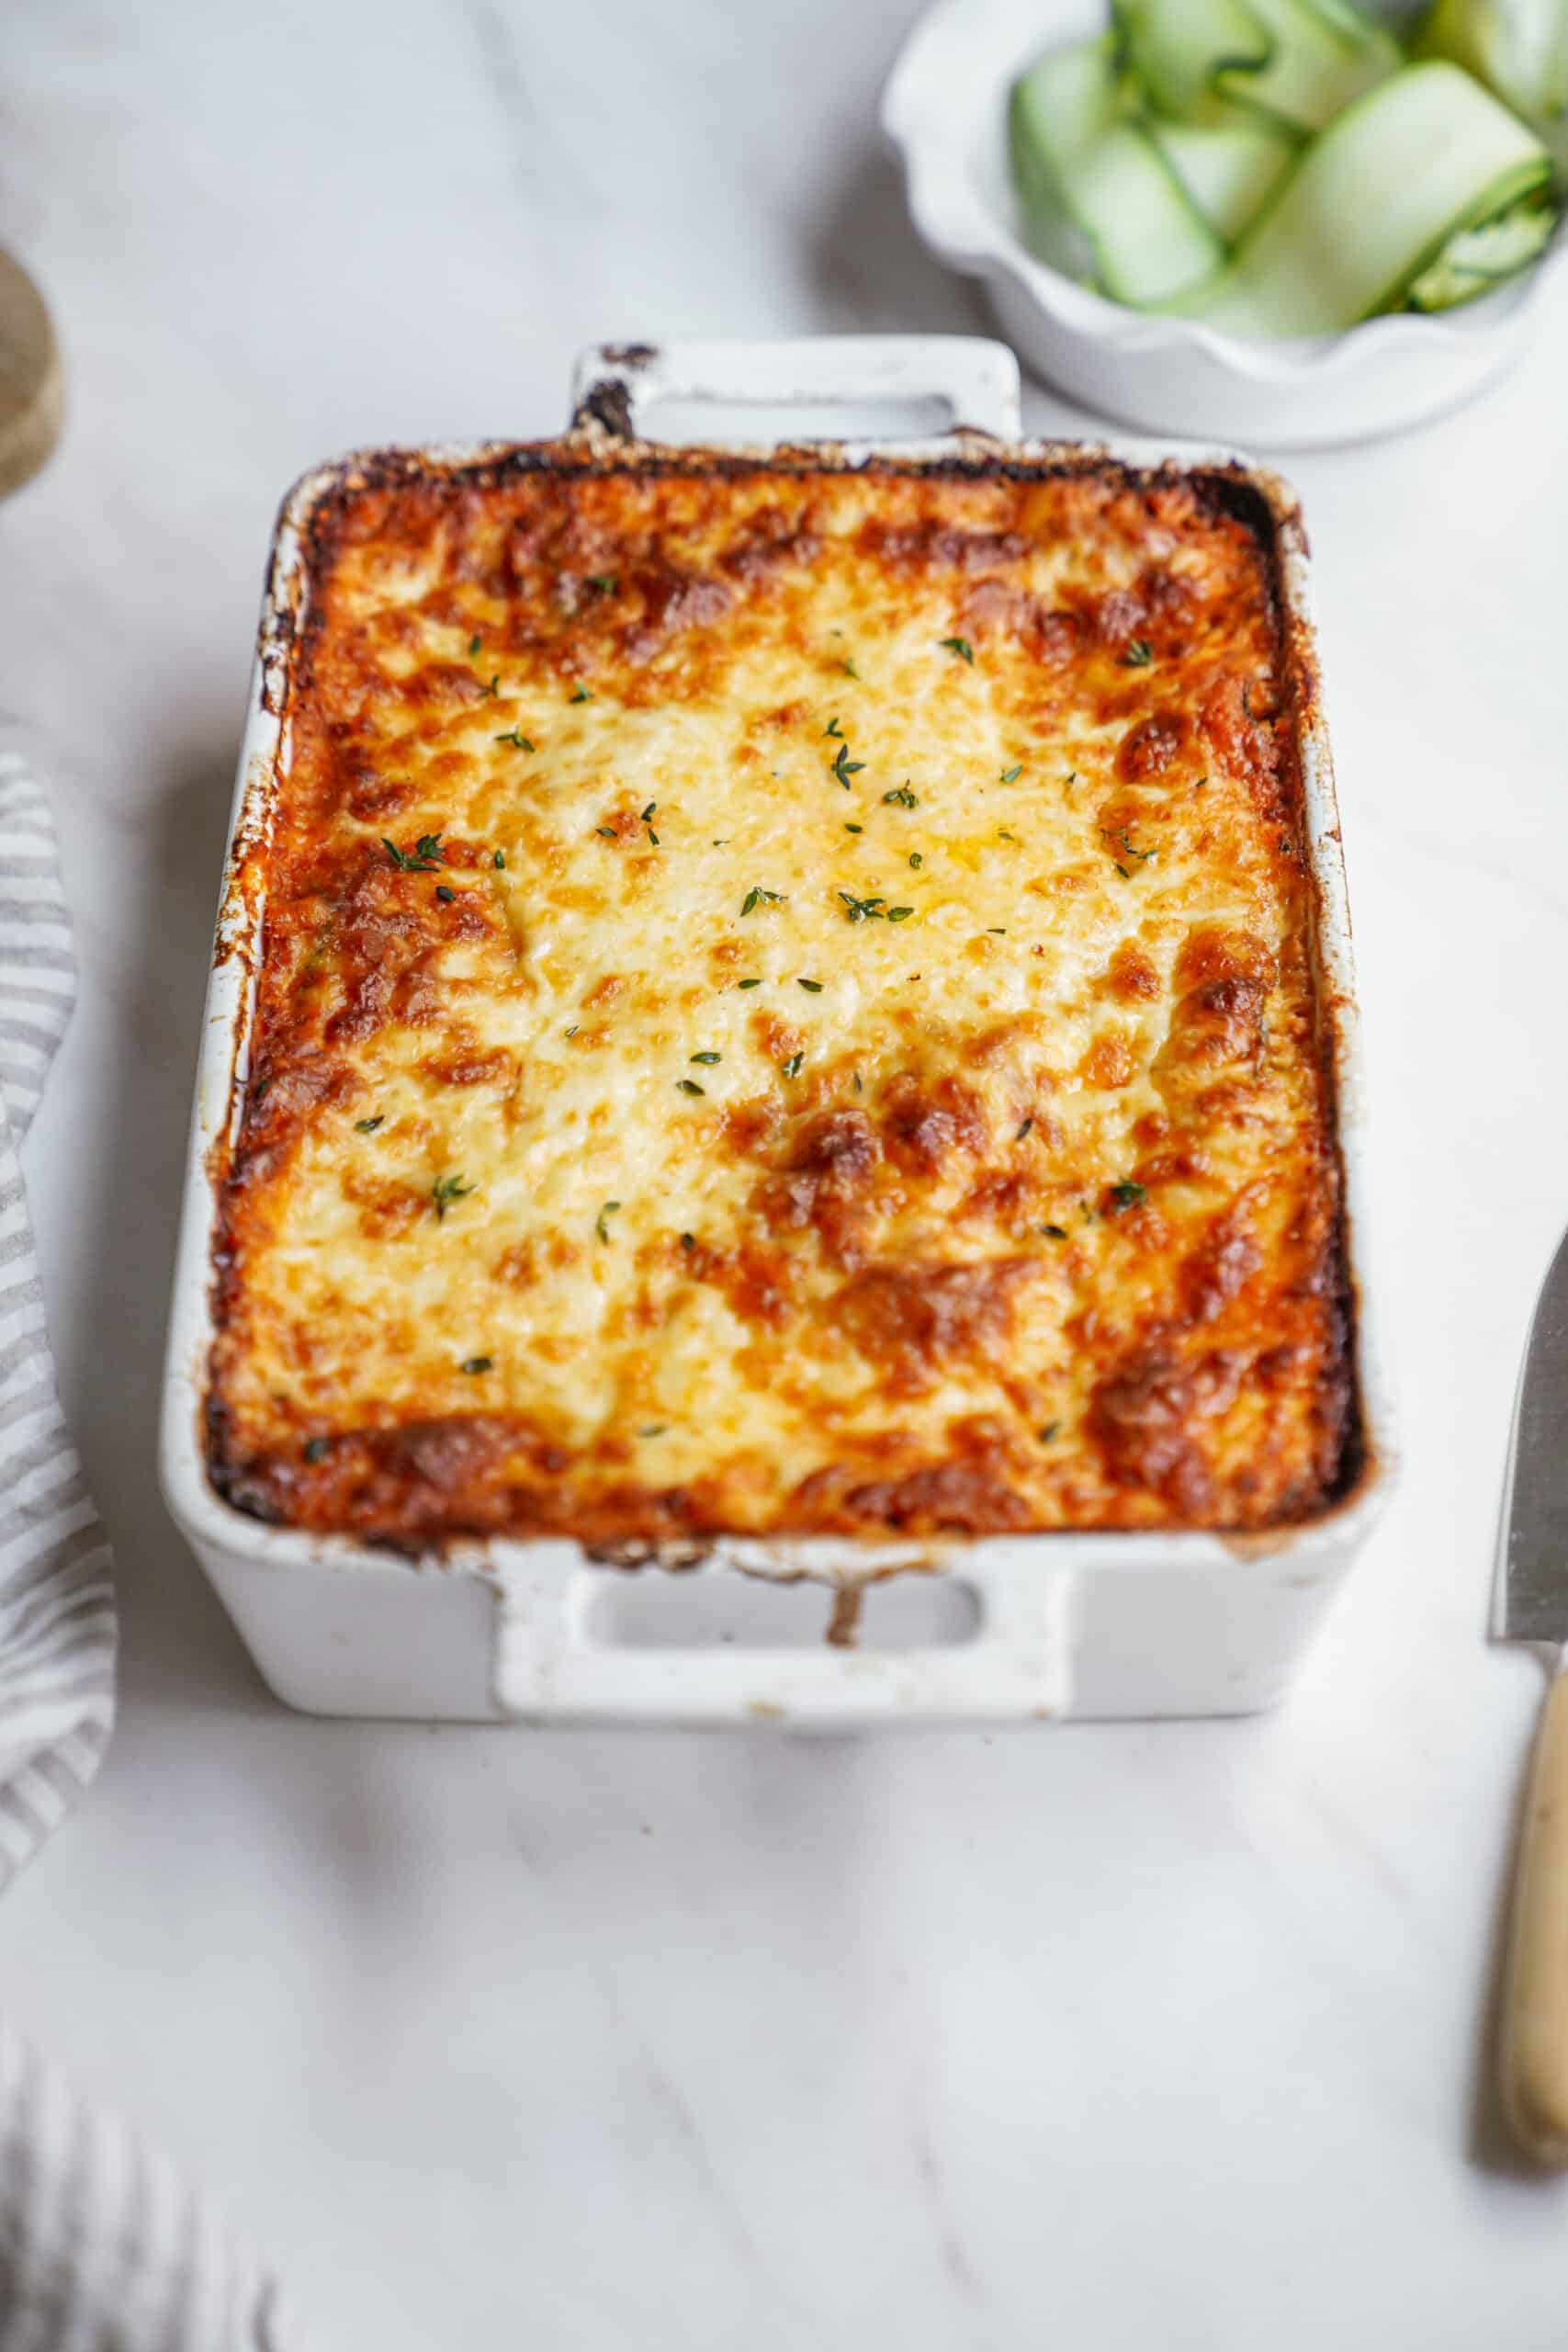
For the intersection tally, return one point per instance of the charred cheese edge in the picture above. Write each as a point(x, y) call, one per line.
point(786, 1005)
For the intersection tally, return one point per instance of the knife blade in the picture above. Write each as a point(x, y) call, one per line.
point(1535, 1558)
point(1533, 1607)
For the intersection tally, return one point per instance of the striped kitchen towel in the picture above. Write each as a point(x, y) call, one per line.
point(102, 2247)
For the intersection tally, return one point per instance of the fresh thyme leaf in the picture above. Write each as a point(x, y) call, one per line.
point(860, 909)
point(792, 1068)
point(850, 670)
point(1009, 775)
point(445, 1191)
point(499, 860)
point(833, 727)
point(759, 897)
point(316, 1449)
point(514, 735)
point(582, 694)
point(1003, 836)
point(749, 984)
point(961, 647)
point(1128, 1196)
point(844, 767)
point(1055, 1232)
point(478, 1364)
point(600, 1228)
point(899, 914)
point(1049, 1431)
point(444, 894)
point(854, 828)
point(1139, 654)
point(1023, 1130)
point(654, 1429)
point(423, 859)
point(995, 930)
point(815, 987)
point(573, 1031)
point(603, 583)
point(494, 685)
point(474, 644)
point(259, 1091)
point(607, 831)
point(708, 1057)
point(649, 810)
point(902, 798)
point(690, 1086)
point(859, 1089)
point(916, 860)
point(368, 1127)
point(652, 836)
point(723, 844)
point(688, 1241)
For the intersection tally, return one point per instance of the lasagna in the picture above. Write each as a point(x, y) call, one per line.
point(785, 1005)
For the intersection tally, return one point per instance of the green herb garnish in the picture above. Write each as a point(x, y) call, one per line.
point(900, 914)
point(792, 1068)
point(815, 987)
point(654, 1429)
point(902, 798)
point(916, 860)
point(1053, 1232)
point(844, 767)
point(478, 1364)
point(690, 1086)
point(445, 1191)
point(708, 1057)
point(749, 984)
point(494, 685)
point(833, 727)
point(862, 909)
point(850, 671)
point(316, 1449)
point(474, 644)
point(854, 829)
point(1009, 775)
point(688, 1241)
point(1023, 1130)
point(499, 860)
point(368, 1127)
point(961, 647)
point(582, 695)
point(514, 735)
point(1139, 654)
point(603, 583)
point(600, 1228)
point(444, 894)
point(1049, 1431)
point(1128, 1196)
point(759, 897)
point(425, 857)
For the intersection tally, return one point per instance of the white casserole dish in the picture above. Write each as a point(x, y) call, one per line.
point(1055, 1625)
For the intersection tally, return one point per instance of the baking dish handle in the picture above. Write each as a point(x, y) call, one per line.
point(551, 1668)
point(614, 384)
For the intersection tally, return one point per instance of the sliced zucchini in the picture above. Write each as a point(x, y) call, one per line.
point(1518, 48)
point(1076, 154)
point(1478, 260)
point(1175, 51)
point(1228, 169)
point(1321, 58)
point(1372, 205)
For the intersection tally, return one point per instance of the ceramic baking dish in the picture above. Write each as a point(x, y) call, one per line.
point(1047, 1626)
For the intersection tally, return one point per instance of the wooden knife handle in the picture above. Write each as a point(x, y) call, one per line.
point(1535, 2002)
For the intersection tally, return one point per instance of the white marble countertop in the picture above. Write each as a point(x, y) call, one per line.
point(1115, 2037)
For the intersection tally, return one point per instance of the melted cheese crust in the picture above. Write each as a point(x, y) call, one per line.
point(845, 1056)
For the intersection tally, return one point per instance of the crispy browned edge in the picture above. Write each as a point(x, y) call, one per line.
point(602, 443)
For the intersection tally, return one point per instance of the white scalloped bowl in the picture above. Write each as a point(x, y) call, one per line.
point(944, 108)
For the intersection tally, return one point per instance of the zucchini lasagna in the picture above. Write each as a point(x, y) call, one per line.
point(785, 1005)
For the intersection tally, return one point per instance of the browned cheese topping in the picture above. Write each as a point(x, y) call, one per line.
point(785, 1005)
